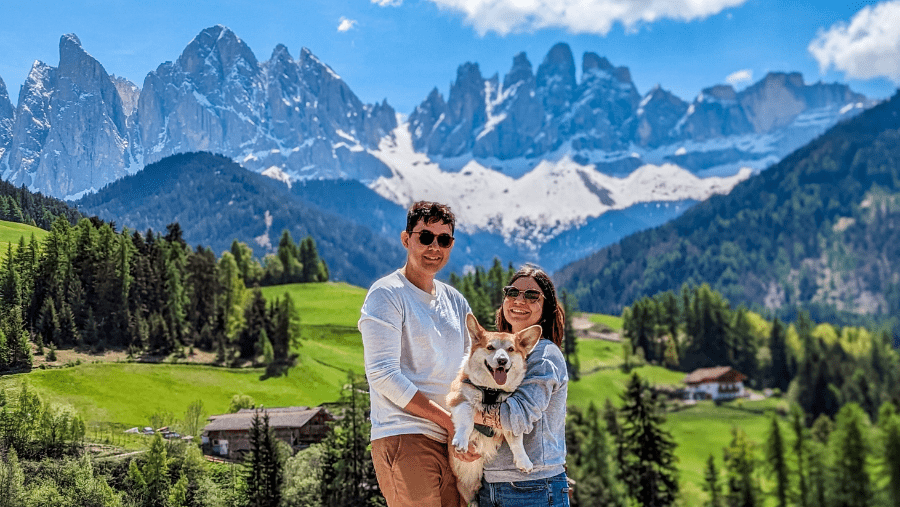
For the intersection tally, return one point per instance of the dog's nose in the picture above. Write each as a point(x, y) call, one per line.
point(501, 361)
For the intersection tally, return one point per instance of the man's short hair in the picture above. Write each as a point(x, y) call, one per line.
point(429, 212)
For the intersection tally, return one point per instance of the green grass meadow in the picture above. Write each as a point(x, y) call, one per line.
point(120, 393)
point(10, 232)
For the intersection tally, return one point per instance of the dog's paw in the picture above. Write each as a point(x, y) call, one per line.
point(460, 444)
point(525, 466)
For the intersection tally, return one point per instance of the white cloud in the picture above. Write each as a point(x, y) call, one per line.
point(739, 77)
point(578, 16)
point(346, 24)
point(866, 47)
point(388, 3)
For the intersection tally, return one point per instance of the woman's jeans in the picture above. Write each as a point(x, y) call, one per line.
point(550, 492)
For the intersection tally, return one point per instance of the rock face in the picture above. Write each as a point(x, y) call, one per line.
point(297, 115)
point(77, 128)
point(70, 132)
point(602, 117)
point(7, 117)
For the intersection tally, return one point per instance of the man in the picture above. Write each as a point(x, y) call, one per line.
point(414, 335)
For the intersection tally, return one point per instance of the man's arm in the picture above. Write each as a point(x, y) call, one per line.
point(421, 406)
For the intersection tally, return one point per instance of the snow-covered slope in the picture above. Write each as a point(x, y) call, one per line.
point(529, 210)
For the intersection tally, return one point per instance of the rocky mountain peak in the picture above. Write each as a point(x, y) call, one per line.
point(556, 78)
point(658, 113)
point(718, 93)
point(521, 71)
point(6, 107)
point(591, 61)
point(774, 101)
point(594, 66)
point(81, 76)
point(559, 63)
point(219, 50)
point(281, 54)
point(6, 119)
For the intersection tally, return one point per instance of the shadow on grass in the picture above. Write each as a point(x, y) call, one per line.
point(280, 368)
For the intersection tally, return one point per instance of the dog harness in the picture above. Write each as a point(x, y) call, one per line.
point(489, 396)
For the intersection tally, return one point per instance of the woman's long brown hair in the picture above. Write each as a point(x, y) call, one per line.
point(553, 317)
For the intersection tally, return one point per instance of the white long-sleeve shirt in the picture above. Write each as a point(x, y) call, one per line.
point(413, 341)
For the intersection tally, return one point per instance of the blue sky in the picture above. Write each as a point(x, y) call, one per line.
point(401, 49)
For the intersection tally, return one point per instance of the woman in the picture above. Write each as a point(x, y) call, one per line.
point(538, 407)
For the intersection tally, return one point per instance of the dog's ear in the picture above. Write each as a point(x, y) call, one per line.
point(476, 332)
point(526, 339)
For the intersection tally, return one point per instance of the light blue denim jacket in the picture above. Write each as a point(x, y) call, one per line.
point(537, 409)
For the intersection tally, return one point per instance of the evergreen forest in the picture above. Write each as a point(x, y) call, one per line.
point(815, 232)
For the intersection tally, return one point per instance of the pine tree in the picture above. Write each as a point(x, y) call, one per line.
point(348, 476)
point(850, 447)
point(203, 291)
point(780, 375)
point(175, 301)
point(155, 473)
point(309, 258)
point(263, 467)
point(594, 464)
point(777, 462)
point(797, 421)
point(648, 461)
point(249, 268)
point(12, 480)
point(889, 422)
point(740, 464)
point(742, 345)
point(289, 255)
point(234, 293)
point(570, 343)
point(711, 483)
point(256, 317)
point(640, 328)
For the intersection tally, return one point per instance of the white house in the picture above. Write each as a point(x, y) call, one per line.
point(717, 383)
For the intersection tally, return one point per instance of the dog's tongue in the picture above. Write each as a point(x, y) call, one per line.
point(500, 376)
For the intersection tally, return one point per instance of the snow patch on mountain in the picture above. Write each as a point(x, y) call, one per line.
point(530, 209)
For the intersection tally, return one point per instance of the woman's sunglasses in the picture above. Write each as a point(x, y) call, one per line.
point(529, 295)
point(426, 237)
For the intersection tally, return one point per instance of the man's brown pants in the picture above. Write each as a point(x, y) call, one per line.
point(414, 471)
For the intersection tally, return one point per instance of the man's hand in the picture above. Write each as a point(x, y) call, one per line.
point(469, 456)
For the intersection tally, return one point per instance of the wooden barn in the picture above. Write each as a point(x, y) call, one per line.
point(228, 435)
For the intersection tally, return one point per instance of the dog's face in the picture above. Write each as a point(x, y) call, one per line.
point(497, 360)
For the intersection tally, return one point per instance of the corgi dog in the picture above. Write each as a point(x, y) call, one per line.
point(491, 372)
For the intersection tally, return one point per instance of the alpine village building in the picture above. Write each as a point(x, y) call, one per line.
point(228, 435)
point(717, 383)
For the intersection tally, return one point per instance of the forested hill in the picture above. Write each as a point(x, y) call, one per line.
point(820, 229)
point(20, 205)
point(216, 201)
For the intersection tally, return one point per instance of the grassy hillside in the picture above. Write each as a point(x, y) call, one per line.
point(129, 394)
point(10, 232)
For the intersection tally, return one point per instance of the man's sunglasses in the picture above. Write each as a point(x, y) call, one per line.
point(529, 295)
point(426, 237)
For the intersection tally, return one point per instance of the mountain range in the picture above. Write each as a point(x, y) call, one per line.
point(539, 166)
point(819, 231)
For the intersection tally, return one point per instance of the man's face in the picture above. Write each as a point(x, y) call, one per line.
point(427, 258)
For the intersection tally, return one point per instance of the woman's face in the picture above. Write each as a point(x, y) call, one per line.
point(520, 312)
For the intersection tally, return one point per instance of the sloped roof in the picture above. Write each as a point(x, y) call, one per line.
point(281, 417)
point(701, 375)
